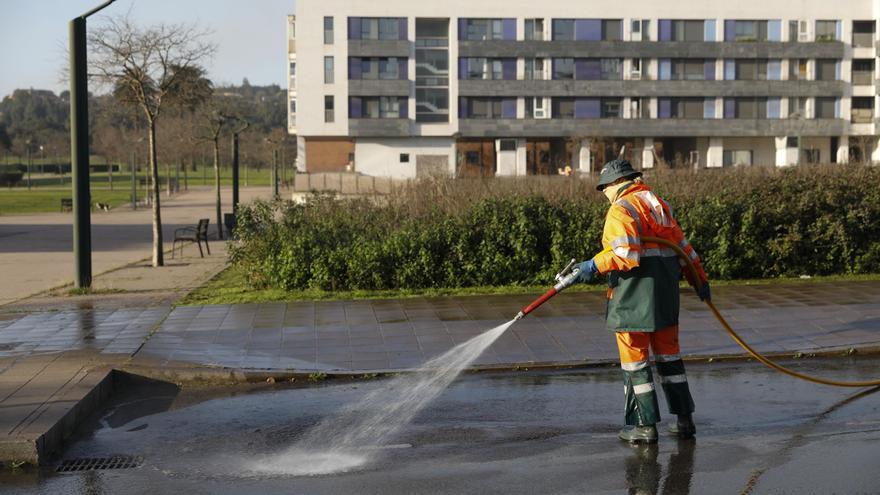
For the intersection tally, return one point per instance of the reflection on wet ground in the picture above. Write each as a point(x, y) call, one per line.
point(548, 432)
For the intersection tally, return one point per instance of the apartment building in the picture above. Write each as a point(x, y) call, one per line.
point(410, 89)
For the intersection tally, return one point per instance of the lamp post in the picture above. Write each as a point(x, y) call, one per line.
point(28, 149)
point(79, 149)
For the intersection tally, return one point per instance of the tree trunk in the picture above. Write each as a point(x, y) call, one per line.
point(158, 259)
point(168, 188)
point(217, 186)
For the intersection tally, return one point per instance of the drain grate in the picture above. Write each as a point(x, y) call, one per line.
point(99, 463)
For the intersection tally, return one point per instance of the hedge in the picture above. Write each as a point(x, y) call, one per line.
point(810, 220)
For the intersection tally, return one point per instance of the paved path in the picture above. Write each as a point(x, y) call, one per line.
point(36, 250)
point(390, 335)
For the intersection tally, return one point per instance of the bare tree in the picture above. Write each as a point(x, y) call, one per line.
point(150, 68)
point(215, 118)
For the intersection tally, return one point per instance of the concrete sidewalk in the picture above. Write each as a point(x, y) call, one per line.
point(36, 249)
point(49, 360)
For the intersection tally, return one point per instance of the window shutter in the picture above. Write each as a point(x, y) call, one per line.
point(509, 29)
point(403, 68)
point(401, 28)
point(588, 29)
point(462, 68)
point(403, 107)
point(774, 70)
point(354, 28)
point(665, 69)
point(729, 30)
point(729, 70)
point(462, 107)
point(462, 28)
point(773, 108)
point(774, 30)
point(664, 108)
point(354, 107)
point(709, 69)
point(508, 69)
point(354, 68)
point(665, 30)
point(586, 108)
point(709, 108)
point(508, 108)
point(729, 108)
point(709, 30)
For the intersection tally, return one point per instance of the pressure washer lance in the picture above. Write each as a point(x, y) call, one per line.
point(564, 279)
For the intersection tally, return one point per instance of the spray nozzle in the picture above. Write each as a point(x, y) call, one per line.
point(565, 271)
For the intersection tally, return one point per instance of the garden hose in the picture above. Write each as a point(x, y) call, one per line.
point(755, 354)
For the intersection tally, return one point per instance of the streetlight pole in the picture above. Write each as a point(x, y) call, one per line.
point(28, 144)
point(134, 191)
point(79, 148)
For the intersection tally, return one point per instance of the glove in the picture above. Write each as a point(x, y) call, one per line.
point(704, 293)
point(587, 271)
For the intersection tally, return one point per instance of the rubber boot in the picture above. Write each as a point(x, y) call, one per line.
point(639, 434)
point(683, 427)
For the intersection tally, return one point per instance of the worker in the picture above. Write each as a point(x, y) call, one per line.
point(643, 299)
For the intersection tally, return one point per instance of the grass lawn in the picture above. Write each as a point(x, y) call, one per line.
point(49, 200)
point(230, 287)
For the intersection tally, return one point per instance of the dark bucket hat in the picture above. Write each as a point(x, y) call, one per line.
point(616, 169)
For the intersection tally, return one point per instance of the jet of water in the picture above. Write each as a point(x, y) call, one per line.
point(347, 440)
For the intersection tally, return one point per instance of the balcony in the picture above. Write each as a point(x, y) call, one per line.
point(650, 127)
point(378, 87)
point(378, 127)
point(379, 48)
point(862, 116)
point(644, 88)
point(862, 78)
point(651, 49)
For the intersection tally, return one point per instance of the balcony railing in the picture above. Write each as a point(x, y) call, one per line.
point(862, 78)
point(862, 115)
point(863, 40)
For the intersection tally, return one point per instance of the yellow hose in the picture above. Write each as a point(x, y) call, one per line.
point(755, 354)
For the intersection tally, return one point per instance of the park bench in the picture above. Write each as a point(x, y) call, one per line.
point(66, 204)
point(195, 234)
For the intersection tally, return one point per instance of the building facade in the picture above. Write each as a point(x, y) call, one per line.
point(411, 89)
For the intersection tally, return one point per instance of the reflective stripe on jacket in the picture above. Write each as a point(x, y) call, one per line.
point(643, 293)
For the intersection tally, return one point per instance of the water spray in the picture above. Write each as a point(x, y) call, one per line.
point(564, 279)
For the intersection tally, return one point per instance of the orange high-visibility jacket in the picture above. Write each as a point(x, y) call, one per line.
point(643, 294)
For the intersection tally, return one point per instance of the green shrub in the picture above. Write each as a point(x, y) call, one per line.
point(458, 233)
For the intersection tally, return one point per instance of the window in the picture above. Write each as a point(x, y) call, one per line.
point(484, 29)
point(792, 31)
point(863, 34)
point(536, 108)
point(563, 29)
point(797, 69)
point(688, 69)
point(291, 30)
point(636, 69)
point(731, 158)
point(639, 30)
point(563, 108)
point(610, 69)
point(751, 69)
point(472, 157)
point(328, 70)
point(810, 155)
point(797, 108)
point(791, 142)
point(293, 105)
point(826, 30)
point(404, 158)
point(487, 108)
point(328, 108)
point(862, 109)
point(680, 108)
point(749, 31)
point(826, 69)
point(610, 108)
point(612, 30)
point(750, 108)
point(389, 68)
point(563, 68)
point(863, 71)
point(507, 145)
point(534, 29)
point(328, 30)
point(826, 108)
point(293, 71)
point(690, 30)
point(534, 69)
point(432, 105)
point(388, 28)
point(496, 70)
point(432, 70)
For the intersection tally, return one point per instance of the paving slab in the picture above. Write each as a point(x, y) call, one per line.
point(402, 334)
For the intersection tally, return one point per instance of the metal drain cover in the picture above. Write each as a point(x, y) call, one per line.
point(99, 463)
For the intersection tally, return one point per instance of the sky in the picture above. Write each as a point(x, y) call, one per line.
point(251, 36)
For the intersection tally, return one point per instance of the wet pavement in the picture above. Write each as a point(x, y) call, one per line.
point(395, 334)
point(535, 432)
